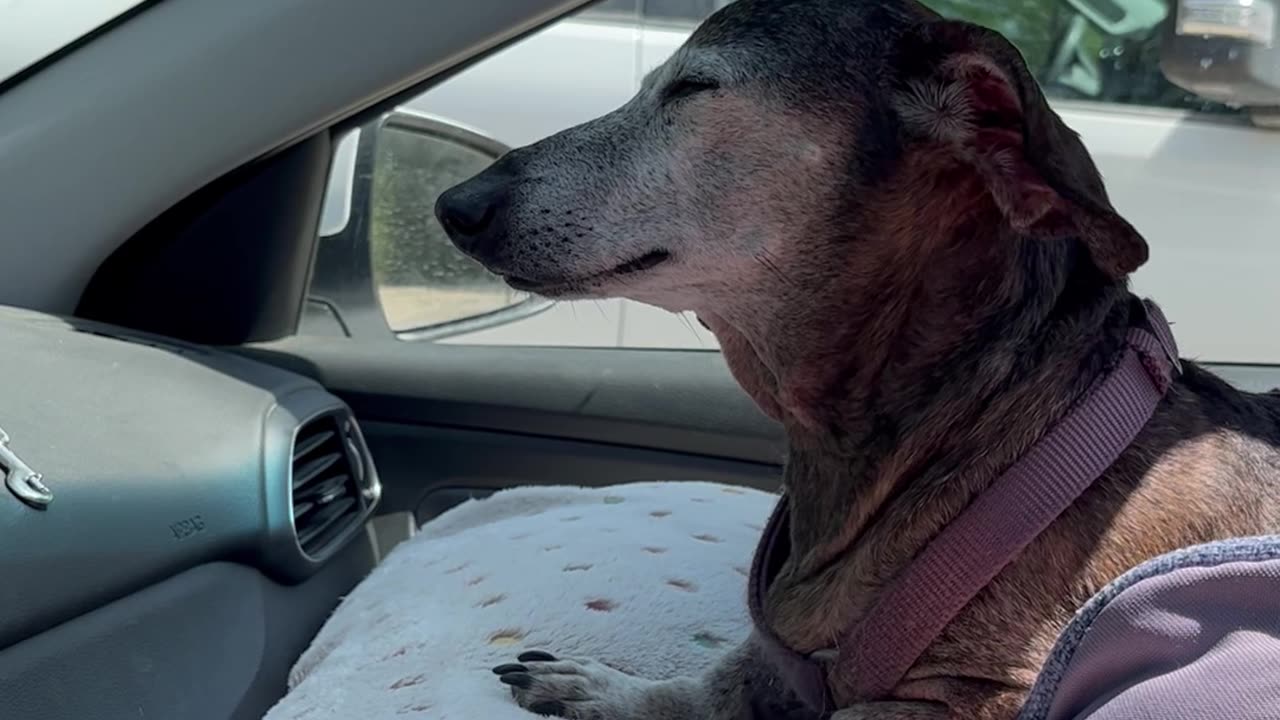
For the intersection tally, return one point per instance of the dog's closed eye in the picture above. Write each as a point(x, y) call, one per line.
point(687, 86)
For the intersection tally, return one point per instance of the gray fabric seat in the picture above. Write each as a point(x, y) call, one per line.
point(1192, 635)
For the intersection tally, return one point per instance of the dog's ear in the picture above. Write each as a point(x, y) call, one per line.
point(968, 88)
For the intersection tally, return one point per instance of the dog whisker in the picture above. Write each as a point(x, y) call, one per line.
point(766, 259)
point(692, 330)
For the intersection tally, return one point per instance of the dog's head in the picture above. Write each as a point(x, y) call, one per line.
point(793, 147)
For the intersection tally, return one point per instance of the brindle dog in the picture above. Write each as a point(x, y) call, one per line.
point(912, 263)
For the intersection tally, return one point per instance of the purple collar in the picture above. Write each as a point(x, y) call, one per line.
point(878, 650)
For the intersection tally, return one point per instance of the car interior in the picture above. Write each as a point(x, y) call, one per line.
point(212, 471)
point(218, 480)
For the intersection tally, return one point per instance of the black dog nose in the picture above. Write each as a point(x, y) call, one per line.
point(468, 213)
point(462, 216)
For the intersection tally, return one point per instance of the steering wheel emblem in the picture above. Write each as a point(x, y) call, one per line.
point(21, 480)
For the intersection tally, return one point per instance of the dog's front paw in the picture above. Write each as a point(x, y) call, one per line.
point(574, 689)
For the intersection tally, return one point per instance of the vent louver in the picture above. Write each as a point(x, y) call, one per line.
point(326, 490)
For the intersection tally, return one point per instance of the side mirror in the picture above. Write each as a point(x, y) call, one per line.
point(1225, 50)
point(384, 265)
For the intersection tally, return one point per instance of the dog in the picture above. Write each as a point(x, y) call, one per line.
point(911, 263)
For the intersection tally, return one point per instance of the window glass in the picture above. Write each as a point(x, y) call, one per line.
point(1099, 61)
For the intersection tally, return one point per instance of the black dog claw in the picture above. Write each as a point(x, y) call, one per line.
point(510, 668)
point(517, 679)
point(536, 656)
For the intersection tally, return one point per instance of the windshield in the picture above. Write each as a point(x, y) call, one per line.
point(32, 30)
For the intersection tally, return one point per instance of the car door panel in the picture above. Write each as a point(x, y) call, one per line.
point(444, 422)
point(427, 469)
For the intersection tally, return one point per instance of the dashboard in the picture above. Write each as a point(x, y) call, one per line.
point(163, 462)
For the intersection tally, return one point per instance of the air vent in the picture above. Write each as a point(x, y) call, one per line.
point(327, 495)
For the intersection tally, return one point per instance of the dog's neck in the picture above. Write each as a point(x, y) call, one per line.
point(911, 381)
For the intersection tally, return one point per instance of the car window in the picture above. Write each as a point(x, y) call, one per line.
point(32, 31)
point(1102, 63)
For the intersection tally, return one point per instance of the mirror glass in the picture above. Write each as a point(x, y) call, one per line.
point(422, 280)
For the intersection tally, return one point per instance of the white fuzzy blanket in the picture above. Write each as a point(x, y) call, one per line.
point(649, 578)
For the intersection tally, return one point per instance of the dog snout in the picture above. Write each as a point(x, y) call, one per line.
point(471, 214)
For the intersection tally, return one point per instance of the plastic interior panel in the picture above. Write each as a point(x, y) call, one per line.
point(161, 456)
point(213, 643)
point(158, 136)
point(683, 402)
point(227, 265)
point(429, 469)
point(448, 422)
